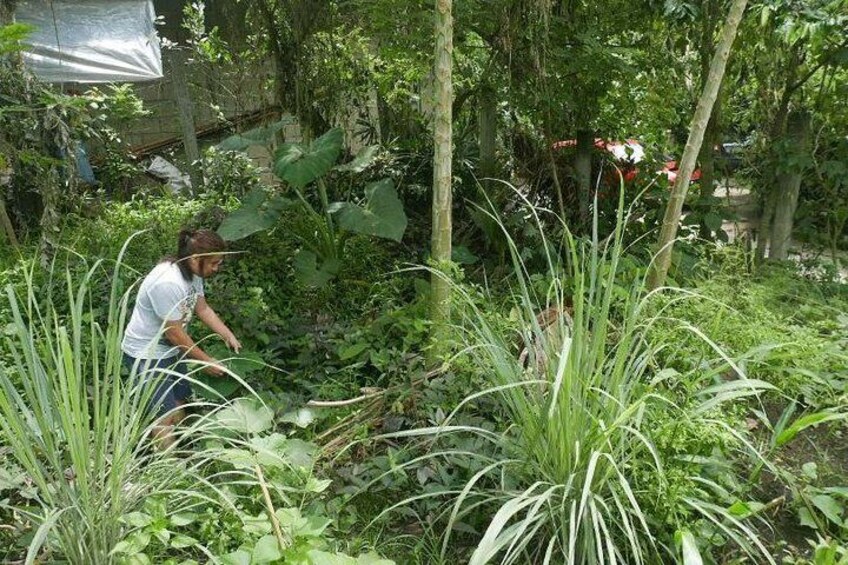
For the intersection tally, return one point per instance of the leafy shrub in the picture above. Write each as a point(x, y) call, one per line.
point(577, 464)
point(780, 328)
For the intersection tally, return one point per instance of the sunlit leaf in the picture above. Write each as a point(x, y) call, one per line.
point(382, 214)
point(247, 416)
point(299, 165)
point(259, 211)
point(266, 550)
point(362, 160)
point(312, 272)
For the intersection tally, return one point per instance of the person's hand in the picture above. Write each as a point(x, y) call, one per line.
point(232, 343)
point(214, 369)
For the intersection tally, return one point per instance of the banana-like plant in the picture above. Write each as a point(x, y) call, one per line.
point(304, 167)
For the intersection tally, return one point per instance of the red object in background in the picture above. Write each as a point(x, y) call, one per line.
point(626, 155)
point(670, 171)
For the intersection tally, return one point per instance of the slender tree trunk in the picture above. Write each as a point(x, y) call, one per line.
point(671, 220)
point(775, 134)
point(488, 122)
point(788, 186)
point(707, 153)
point(583, 172)
point(179, 83)
point(442, 160)
point(7, 16)
point(7, 11)
point(705, 158)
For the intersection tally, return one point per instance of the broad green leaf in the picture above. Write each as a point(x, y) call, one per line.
point(247, 363)
point(829, 507)
point(838, 491)
point(317, 485)
point(254, 525)
point(181, 542)
point(302, 417)
point(258, 212)
point(805, 422)
point(810, 470)
point(299, 166)
point(10, 480)
point(240, 557)
point(262, 135)
point(352, 351)
point(806, 519)
point(362, 160)
point(689, 548)
point(235, 142)
point(297, 525)
point(270, 450)
point(712, 221)
point(462, 255)
point(137, 519)
point(317, 557)
point(223, 387)
point(183, 518)
point(310, 273)
point(300, 453)
point(135, 543)
point(382, 215)
point(267, 550)
point(246, 416)
point(137, 559)
point(741, 509)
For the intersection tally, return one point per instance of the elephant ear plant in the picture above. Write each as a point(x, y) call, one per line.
point(327, 225)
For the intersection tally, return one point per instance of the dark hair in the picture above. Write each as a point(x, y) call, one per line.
point(196, 242)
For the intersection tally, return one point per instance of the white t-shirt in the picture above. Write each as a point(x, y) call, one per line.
point(164, 296)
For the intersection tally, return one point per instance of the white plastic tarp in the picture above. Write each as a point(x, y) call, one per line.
point(91, 41)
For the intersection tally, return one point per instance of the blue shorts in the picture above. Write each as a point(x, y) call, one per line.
point(171, 390)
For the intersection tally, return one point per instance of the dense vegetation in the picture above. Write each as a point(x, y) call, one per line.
point(565, 412)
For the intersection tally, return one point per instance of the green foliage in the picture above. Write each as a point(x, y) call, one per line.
point(778, 328)
point(228, 174)
point(71, 422)
point(300, 166)
point(12, 37)
point(578, 460)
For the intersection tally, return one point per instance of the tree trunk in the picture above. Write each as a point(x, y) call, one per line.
point(583, 174)
point(788, 186)
point(488, 122)
point(775, 134)
point(442, 160)
point(706, 156)
point(179, 85)
point(671, 220)
point(7, 12)
point(7, 16)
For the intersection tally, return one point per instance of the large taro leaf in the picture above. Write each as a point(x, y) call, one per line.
point(382, 215)
point(259, 211)
point(312, 272)
point(362, 161)
point(262, 135)
point(299, 165)
point(246, 415)
point(246, 364)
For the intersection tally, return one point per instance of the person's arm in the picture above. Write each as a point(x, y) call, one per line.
point(177, 336)
point(208, 316)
